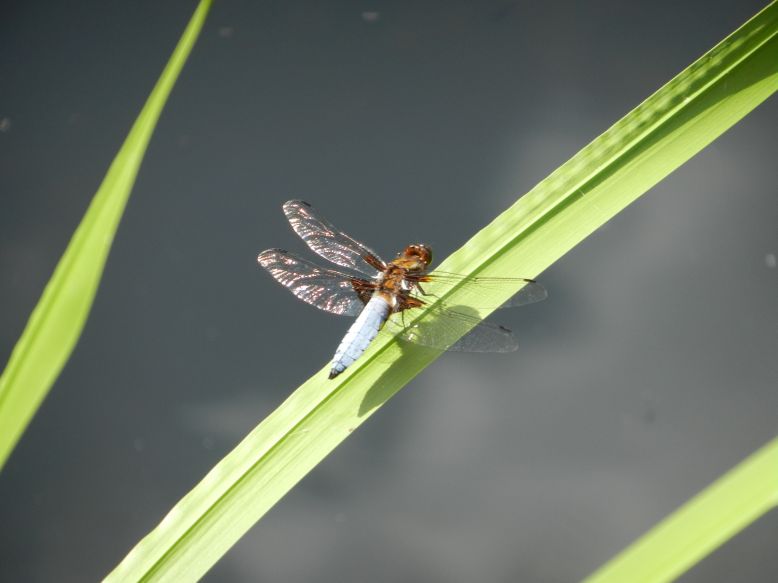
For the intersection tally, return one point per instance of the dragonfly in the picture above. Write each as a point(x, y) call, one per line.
point(382, 293)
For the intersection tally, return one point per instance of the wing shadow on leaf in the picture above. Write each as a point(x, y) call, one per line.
point(421, 341)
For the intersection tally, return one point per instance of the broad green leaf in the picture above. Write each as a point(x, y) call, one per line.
point(637, 152)
point(56, 323)
point(709, 519)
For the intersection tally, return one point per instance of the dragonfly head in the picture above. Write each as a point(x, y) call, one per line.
point(416, 257)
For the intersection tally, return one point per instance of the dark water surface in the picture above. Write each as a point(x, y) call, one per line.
point(649, 371)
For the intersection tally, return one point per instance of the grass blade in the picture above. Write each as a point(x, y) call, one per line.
point(709, 519)
point(637, 152)
point(57, 320)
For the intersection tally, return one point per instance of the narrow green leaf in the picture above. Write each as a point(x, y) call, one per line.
point(623, 163)
point(56, 323)
point(709, 519)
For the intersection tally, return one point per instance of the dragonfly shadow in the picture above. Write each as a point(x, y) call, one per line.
point(423, 340)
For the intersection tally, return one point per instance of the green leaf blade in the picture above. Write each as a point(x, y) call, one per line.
point(701, 525)
point(60, 315)
point(636, 153)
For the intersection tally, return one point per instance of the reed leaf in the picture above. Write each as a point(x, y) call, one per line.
point(60, 315)
point(657, 137)
point(713, 516)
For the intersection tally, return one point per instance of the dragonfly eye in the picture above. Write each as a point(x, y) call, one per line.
point(428, 259)
point(422, 252)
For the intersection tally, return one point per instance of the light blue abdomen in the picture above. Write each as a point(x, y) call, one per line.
point(360, 335)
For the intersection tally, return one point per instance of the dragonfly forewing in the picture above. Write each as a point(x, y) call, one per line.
point(487, 292)
point(327, 240)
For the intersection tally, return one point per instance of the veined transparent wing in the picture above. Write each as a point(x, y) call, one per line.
point(477, 289)
point(443, 329)
point(330, 242)
point(326, 289)
point(452, 328)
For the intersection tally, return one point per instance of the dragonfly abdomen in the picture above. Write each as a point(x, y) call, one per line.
point(360, 335)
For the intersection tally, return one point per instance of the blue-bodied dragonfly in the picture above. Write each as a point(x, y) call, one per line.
point(374, 290)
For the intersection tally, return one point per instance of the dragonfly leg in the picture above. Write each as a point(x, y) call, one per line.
point(422, 292)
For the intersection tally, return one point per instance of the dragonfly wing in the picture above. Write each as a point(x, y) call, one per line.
point(326, 289)
point(329, 242)
point(452, 330)
point(531, 293)
point(477, 289)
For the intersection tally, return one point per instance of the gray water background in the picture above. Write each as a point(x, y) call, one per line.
point(649, 371)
